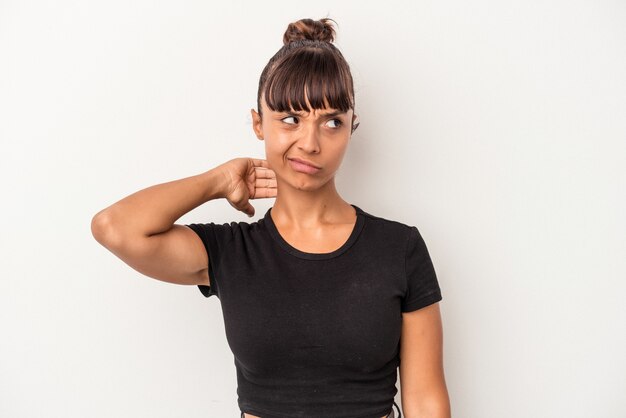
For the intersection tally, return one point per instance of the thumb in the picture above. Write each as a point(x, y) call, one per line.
point(249, 210)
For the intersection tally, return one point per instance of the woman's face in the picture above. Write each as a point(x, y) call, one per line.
point(320, 137)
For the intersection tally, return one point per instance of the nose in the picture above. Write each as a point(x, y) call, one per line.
point(309, 140)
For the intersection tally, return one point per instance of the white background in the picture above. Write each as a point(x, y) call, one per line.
point(496, 127)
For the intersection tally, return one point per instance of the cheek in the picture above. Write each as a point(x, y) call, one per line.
point(272, 147)
point(275, 153)
point(337, 148)
point(277, 143)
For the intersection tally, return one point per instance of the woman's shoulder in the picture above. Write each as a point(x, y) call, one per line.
point(385, 221)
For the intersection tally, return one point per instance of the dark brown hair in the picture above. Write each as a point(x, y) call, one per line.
point(308, 63)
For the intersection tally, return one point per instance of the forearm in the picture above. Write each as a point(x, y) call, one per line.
point(155, 209)
point(435, 405)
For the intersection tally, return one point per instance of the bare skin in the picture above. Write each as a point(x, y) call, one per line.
point(308, 212)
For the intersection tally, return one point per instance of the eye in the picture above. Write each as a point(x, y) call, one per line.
point(338, 123)
point(289, 117)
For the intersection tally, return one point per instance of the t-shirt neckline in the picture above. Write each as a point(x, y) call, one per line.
point(356, 230)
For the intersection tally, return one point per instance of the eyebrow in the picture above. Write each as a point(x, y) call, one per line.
point(335, 113)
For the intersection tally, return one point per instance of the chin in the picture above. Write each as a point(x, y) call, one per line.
point(308, 183)
point(306, 187)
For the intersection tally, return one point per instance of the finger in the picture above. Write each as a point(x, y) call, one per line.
point(258, 162)
point(265, 192)
point(249, 210)
point(263, 172)
point(265, 183)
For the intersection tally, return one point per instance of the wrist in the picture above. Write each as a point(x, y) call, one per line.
point(215, 183)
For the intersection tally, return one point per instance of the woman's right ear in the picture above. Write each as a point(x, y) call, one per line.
point(256, 124)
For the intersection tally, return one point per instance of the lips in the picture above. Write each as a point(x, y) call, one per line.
point(300, 167)
point(301, 161)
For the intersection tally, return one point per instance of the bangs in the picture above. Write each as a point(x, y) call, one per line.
point(313, 74)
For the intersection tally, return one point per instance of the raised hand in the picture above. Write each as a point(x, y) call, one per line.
point(250, 178)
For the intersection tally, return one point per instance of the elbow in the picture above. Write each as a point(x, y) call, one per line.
point(436, 405)
point(435, 410)
point(97, 226)
point(102, 229)
point(439, 408)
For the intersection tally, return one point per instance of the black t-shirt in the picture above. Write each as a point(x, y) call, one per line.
point(312, 334)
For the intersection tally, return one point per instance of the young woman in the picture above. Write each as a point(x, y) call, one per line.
point(322, 301)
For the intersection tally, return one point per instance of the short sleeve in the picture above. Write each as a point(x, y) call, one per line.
point(422, 284)
point(215, 238)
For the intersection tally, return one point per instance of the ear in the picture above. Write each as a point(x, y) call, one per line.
point(355, 122)
point(256, 124)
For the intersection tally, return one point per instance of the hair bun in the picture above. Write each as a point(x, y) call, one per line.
point(315, 30)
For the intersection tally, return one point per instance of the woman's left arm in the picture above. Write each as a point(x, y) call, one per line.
point(422, 382)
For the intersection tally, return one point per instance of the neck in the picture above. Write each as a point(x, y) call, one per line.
point(310, 208)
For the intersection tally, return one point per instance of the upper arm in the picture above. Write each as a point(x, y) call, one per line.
point(176, 256)
point(422, 378)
